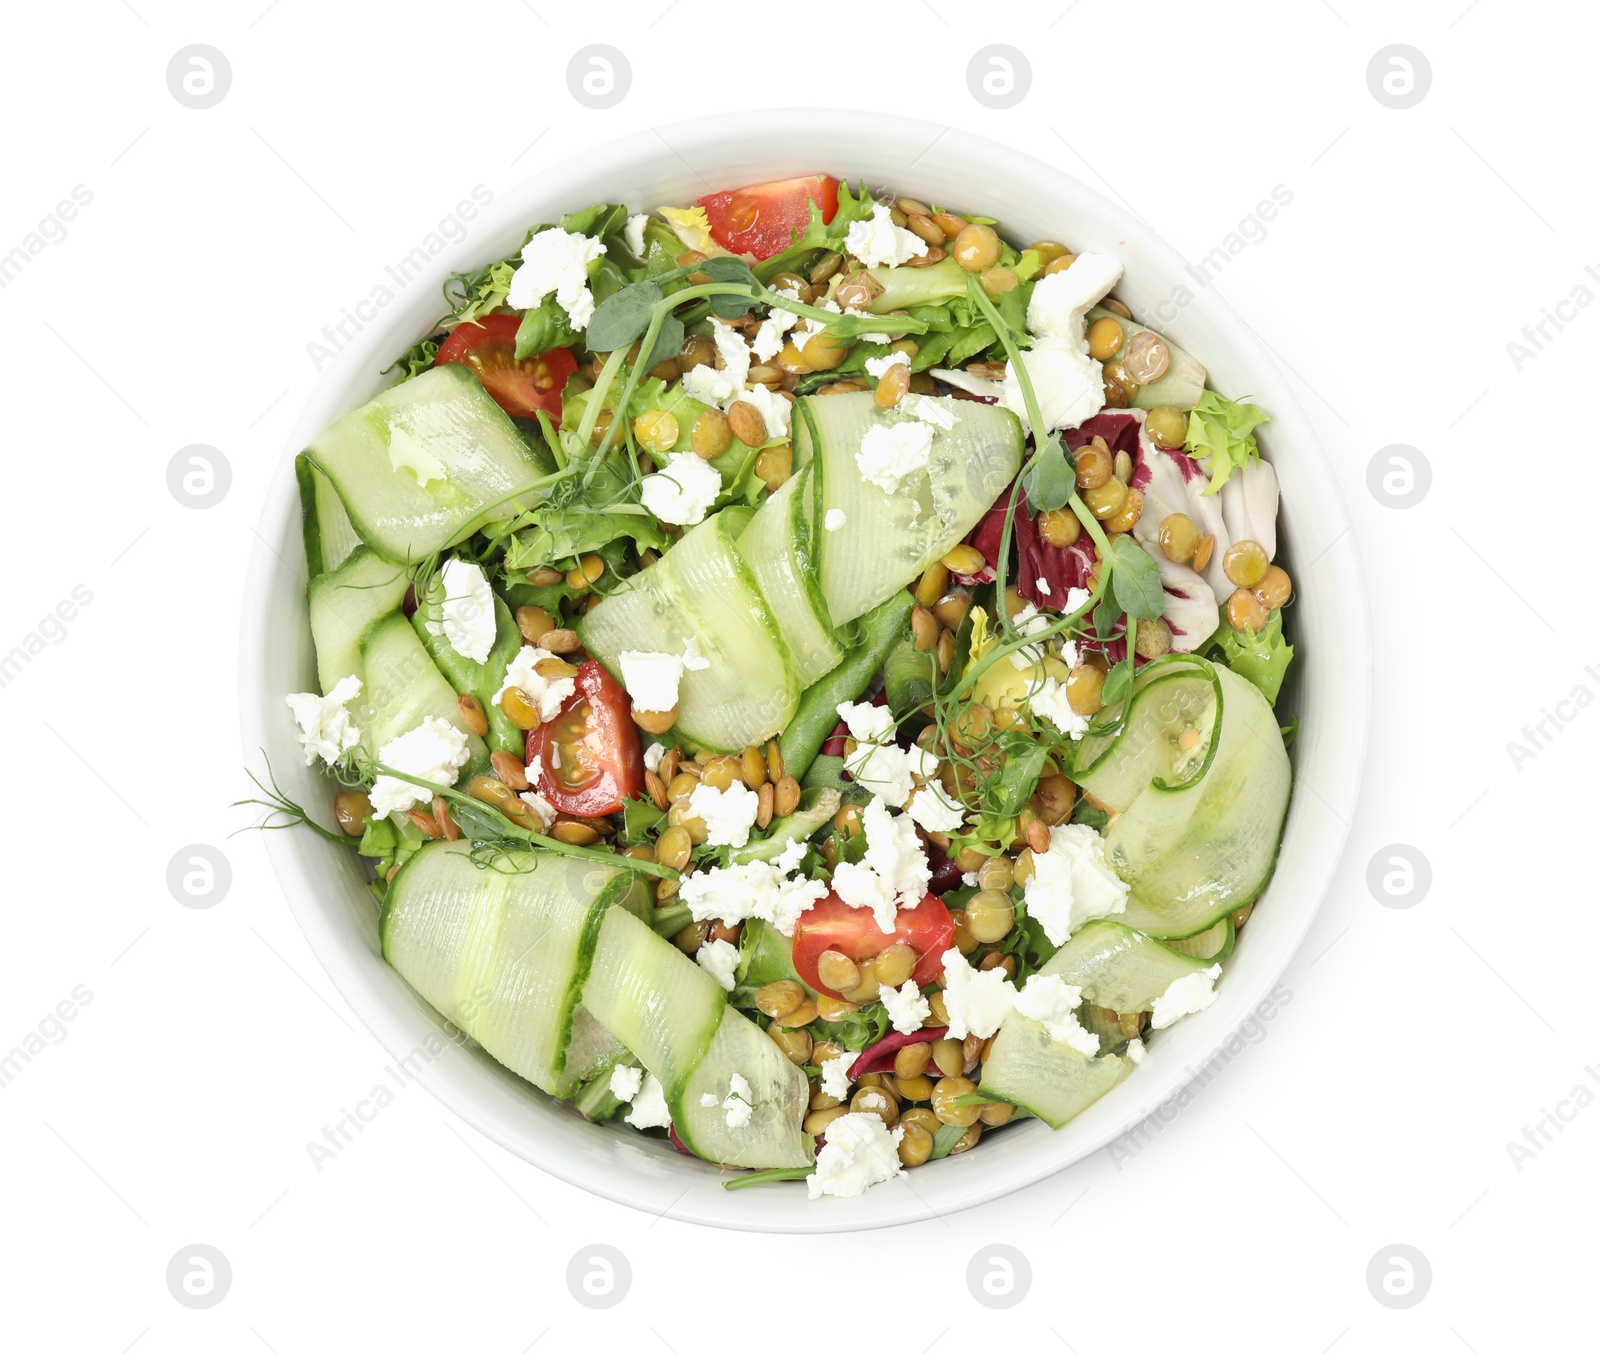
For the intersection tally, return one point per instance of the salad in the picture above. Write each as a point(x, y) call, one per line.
point(801, 666)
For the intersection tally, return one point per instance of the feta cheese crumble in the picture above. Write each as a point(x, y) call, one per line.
point(1072, 882)
point(626, 1081)
point(326, 729)
point(682, 492)
point(891, 452)
point(1053, 1002)
point(895, 851)
point(735, 893)
point(1185, 996)
point(833, 520)
point(1136, 1051)
point(1050, 702)
point(545, 694)
point(633, 234)
point(1043, 584)
point(720, 959)
point(879, 366)
point(737, 1105)
point(773, 408)
point(653, 755)
point(556, 261)
point(867, 723)
point(435, 750)
point(728, 814)
point(879, 243)
point(906, 1005)
point(771, 332)
point(466, 616)
point(977, 1000)
point(934, 811)
point(859, 1153)
point(651, 680)
point(835, 1080)
point(650, 1106)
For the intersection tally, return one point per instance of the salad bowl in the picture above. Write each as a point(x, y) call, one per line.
point(1328, 691)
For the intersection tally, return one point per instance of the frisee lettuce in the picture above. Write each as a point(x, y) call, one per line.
point(1220, 435)
point(1261, 657)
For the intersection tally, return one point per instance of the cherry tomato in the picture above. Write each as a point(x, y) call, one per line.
point(486, 347)
point(764, 218)
point(834, 925)
point(589, 754)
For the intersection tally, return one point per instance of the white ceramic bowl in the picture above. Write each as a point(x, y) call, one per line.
point(1330, 684)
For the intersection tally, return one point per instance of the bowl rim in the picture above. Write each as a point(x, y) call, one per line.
point(394, 1018)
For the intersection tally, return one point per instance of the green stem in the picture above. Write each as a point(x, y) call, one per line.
point(537, 839)
point(767, 1177)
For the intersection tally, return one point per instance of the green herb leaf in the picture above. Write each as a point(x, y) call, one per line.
point(1119, 681)
point(1261, 657)
point(1220, 434)
point(1048, 478)
point(1106, 616)
point(1135, 580)
point(622, 318)
point(669, 342)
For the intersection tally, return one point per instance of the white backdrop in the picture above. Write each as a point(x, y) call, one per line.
point(177, 1062)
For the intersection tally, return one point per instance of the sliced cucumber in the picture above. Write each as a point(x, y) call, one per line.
point(330, 539)
point(1213, 945)
point(703, 589)
point(889, 539)
point(503, 949)
point(673, 1017)
point(402, 687)
point(778, 547)
point(1185, 380)
point(1167, 737)
point(425, 463)
point(1120, 968)
point(345, 604)
point(1195, 852)
point(475, 679)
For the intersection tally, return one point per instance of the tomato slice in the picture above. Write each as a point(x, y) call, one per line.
point(834, 925)
point(589, 753)
point(763, 218)
point(487, 348)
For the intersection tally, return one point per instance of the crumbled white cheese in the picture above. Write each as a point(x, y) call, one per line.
point(721, 385)
point(556, 261)
point(934, 412)
point(977, 1000)
point(1060, 302)
point(879, 366)
point(922, 762)
point(934, 811)
point(1185, 996)
point(771, 332)
point(651, 679)
point(650, 1106)
point(544, 694)
point(466, 616)
point(891, 452)
point(435, 750)
point(1053, 1002)
point(867, 723)
point(720, 959)
point(862, 886)
point(878, 242)
point(859, 1153)
point(326, 729)
point(740, 1102)
point(773, 408)
point(1043, 584)
point(894, 872)
point(1050, 702)
point(1073, 882)
point(1136, 1050)
point(682, 492)
point(543, 809)
point(728, 814)
point(633, 233)
point(883, 769)
point(653, 755)
point(835, 1079)
point(626, 1081)
point(736, 893)
point(906, 1005)
point(693, 659)
point(833, 519)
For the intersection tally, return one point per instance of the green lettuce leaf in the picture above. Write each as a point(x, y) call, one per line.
point(1261, 657)
point(1220, 435)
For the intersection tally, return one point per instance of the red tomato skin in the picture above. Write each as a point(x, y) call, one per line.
point(611, 743)
point(763, 218)
point(834, 925)
point(485, 346)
